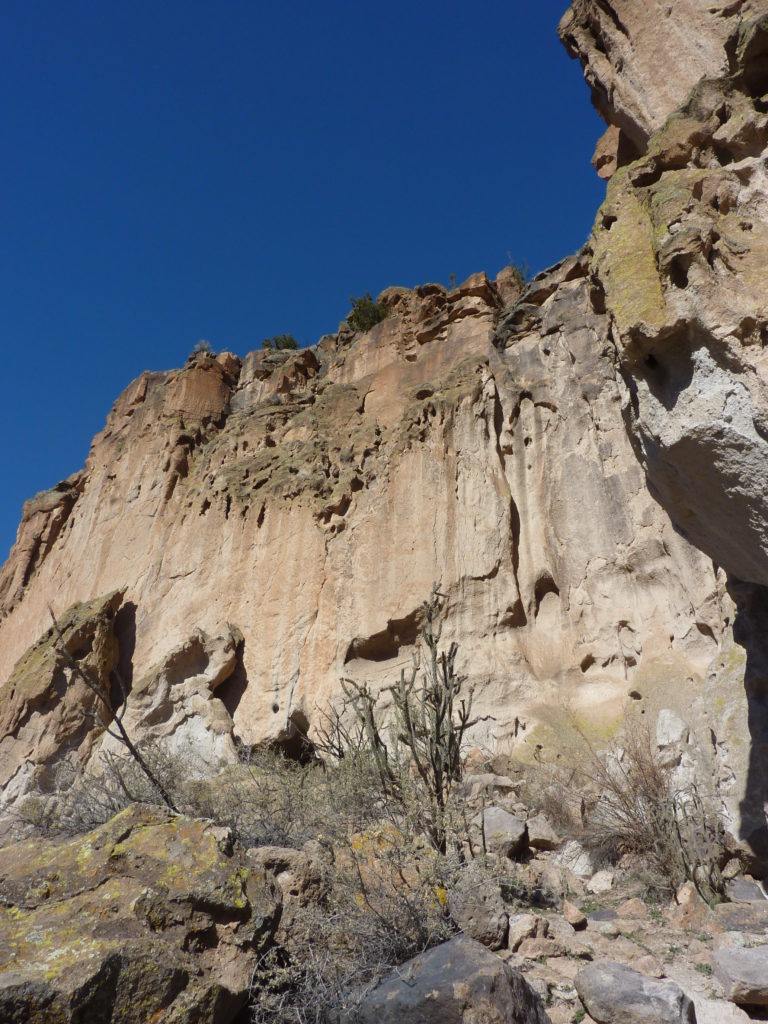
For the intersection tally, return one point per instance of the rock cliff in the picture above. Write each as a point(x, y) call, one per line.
point(581, 467)
point(680, 251)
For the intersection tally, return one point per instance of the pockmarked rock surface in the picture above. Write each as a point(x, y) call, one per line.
point(678, 263)
point(152, 916)
point(311, 499)
point(460, 982)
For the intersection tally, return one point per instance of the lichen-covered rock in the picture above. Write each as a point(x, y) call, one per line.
point(45, 712)
point(149, 917)
point(679, 257)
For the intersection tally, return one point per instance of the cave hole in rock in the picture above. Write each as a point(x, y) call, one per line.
point(678, 271)
point(723, 155)
point(587, 662)
point(545, 584)
point(230, 691)
point(121, 681)
point(514, 616)
point(386, 644)
point(706, 630)
point(294, 742)
point(82, 649)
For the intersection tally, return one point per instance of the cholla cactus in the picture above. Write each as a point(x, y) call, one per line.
point(431, 719)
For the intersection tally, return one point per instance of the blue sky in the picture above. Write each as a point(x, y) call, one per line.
point(231, 170)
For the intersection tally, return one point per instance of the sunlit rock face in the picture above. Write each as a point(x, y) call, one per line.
point(680, 266)
point(311, 500)
point(580, 467)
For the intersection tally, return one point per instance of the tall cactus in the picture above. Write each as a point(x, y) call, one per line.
point(431, 719)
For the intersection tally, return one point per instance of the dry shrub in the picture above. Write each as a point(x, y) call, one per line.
point(72, 799)
point(386, 901)
point(630, 800)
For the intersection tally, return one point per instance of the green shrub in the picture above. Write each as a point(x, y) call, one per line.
point(202, 346)
point(366, 313)
point(280, 343)
point(521, 272)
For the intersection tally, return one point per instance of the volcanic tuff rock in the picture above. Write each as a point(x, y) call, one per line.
point(680, 250)
point(514, 448)
point(311, 499)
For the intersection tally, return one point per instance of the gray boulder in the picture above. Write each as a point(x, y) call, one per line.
point(477, 908)
point(505, 833)
point(460, 982)
point(743, 973)
point(614, 994)
point(541, 835)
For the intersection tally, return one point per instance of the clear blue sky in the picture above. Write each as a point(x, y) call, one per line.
point(229, 170)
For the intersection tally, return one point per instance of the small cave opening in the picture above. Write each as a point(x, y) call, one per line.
point(121, 680)
point(678, 272)
point(230, 691)
point(294, 742)
point(385, 644)
point(545, 584)
point(587, 662)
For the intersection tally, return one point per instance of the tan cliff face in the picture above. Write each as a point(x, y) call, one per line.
point(312, 499)
point(680, 266)
point(578, 467)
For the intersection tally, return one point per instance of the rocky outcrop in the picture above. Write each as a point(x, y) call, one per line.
point(642, 60)
point(680, 249)
point(312, 498)
point(456, 983)
point(175, 706)
point(150, 917)
point(45, 713)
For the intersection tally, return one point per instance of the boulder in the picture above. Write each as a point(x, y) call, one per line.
point(460, 982)
point(615, 994)
point(575, 858)
point(601, 881)
point(742, 917)
point(541, 835)
point(477, 908)
point(152, 916)
point(505, 834)
point(526, 926)
point(743, 973)
point(575, 918)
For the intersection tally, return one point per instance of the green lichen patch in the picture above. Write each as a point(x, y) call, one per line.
point(625, 258)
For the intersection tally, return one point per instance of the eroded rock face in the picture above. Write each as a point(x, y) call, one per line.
point(642, 60)
point(175, 706)
point(312, 498)
point(514, 448)
point(680, 250)
point(169, 923)
point(45, 713)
